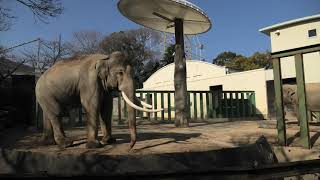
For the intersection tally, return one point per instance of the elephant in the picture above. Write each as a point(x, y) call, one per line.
point(312, 96)
point(89, 80)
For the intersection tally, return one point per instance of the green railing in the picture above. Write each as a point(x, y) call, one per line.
point(202, 104)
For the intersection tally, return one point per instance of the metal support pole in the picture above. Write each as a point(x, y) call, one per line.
point(281, 125)
point(180, 78)
point(303, 114)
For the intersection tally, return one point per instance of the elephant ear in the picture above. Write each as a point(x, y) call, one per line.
point(102, 67)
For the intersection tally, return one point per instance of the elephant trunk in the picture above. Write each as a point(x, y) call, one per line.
point(131, 117)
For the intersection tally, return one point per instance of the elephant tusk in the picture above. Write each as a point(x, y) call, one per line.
point(144, 104)
point(137, 107)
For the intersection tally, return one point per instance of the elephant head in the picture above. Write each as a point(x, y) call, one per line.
point(289, 94)
point(116, 73)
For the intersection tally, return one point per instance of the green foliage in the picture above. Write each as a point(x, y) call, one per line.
point(168, 56)
point(224, 57)
point(242, 63)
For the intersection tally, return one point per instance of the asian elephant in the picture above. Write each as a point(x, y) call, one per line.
point(89, 80)
point(312, 96)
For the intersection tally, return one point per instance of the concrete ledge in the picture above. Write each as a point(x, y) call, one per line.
point(24, 163)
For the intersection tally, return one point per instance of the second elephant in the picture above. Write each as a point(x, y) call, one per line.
point(290, 96)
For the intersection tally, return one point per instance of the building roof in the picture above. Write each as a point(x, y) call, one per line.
point(188, 61)
point(6, 64)
point(268, 29)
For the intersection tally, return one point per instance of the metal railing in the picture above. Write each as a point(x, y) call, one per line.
point(202, 104)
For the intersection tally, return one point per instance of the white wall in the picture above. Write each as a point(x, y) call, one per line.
point(311, 63)
point(294, 36)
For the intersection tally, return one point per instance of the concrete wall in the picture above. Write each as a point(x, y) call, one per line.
point(294, 36)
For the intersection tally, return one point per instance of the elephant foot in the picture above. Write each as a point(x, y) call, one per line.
point(132, 143)
point(45, 140)
point(64, 143)
point(93, 144)
point(108, 140)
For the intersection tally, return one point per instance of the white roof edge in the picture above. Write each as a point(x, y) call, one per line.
point(266, 30)
point(172, 64)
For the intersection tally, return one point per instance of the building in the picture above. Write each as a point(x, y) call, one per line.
point(294, 34)
point(206, 76)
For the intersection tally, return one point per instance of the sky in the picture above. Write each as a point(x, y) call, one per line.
point(235, 27)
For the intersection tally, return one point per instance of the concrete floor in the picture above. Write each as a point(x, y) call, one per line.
point(165, 138)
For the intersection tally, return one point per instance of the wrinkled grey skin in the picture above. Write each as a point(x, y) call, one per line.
point(290, 97)
point(88, 79)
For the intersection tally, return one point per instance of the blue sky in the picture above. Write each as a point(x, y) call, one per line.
point(235, 23)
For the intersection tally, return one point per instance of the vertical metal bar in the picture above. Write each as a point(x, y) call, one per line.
point(208, 105)
point(155, 105)
point(220, 112)
point(243, 107)
point(225, 104)
point(162, 106)
point(238, 105)
point(140, 112)
point(214, 104)
point(303, 116)
point(201, 105)
point(232, 105)
point(190, 104)
point(169, 106)
point(148, 101)
point(253, 103)
point(249, 104)
point(281, 126)
point(195, 105)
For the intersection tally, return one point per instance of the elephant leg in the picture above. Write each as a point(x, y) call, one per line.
point(296, 112)
point(106, 120)
point(92, 123)
point(58, 133)
point(47, 137)
point(52, 111)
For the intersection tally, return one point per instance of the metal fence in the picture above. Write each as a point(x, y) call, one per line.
point(202, 104)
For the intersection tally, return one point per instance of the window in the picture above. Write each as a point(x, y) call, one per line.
point(312, 33)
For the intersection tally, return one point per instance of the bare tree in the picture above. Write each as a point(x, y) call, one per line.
point(41, 9)
point(8, 68)
point(86, 42)
point(9, 63)
point(46, 54)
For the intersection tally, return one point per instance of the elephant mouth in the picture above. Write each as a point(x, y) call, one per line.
point(104, 84)
point(144, 104)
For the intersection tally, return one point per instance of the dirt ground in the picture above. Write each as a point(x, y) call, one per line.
point(165, 138)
